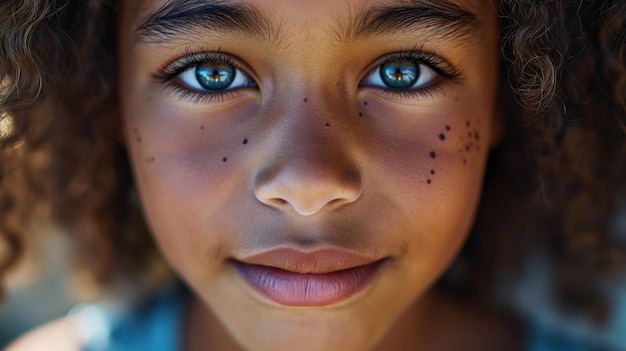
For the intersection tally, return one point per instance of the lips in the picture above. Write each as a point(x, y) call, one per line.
point(317, 278)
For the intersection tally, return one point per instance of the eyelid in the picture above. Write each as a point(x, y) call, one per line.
point(445, 71)
point(174, 67)
point(168, 76)
point(440, 65)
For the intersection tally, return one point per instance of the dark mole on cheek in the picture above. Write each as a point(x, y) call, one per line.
point(476, 136)
point(432, 171)
point(432, 154)
point(442, 137)
point(225, 159)
point(429, 181)
point(360, 113)
point(327, 124)
point(245, 141)
point(448, 128)
point(305, 100)
point(365, 103)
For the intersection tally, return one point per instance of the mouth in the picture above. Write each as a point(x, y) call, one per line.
point(317, 278)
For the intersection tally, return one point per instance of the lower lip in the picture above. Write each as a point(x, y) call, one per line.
point(307, 289)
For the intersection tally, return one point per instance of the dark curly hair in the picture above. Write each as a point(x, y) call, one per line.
point(554, 182)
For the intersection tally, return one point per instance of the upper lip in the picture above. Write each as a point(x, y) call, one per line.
point(317, 261)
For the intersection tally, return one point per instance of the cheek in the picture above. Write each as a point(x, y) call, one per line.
point(189, 167)
point(430, 163)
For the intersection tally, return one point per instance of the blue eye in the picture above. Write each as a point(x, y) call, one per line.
point(215, 76)
point(210, 77)
point(401, 74)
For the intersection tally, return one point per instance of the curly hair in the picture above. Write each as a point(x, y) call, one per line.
point(554, 181)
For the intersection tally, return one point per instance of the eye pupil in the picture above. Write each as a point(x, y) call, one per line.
point(212, 76)
point(400, 74)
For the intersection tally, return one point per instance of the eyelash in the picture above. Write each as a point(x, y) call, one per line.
point(169, 72)
point(446, 72)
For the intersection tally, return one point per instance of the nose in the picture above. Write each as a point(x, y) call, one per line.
point(308, 187)
point(311, 171)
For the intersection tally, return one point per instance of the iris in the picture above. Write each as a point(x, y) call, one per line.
point(400, 74)
point(215, 76)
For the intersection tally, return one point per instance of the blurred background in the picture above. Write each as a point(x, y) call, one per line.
point(38, 289)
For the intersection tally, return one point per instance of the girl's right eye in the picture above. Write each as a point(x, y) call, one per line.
point(204, 77)
point(214, 77)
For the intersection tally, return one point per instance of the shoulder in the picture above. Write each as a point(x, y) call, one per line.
point(59, 334)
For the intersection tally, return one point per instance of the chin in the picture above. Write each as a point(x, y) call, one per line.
point(311, 334)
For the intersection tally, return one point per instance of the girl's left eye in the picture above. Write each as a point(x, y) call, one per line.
point(401, 74)
point(214, 77)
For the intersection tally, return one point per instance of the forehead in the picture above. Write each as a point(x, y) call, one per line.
point(346, 19)
point(142, 8)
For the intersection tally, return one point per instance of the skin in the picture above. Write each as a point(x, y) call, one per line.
point(352, 166)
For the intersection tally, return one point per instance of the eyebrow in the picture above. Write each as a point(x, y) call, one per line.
point(184, 19)
point(444, 18)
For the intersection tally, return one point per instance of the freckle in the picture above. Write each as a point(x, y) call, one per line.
point(365, 103)
point(138, 139)
point(476, 136)
point(135, 130)
point(327, 124)
point(432, 154)
point(360, 113)
point(442, 137)
point(151, 159)
point(469, 134)
point(456, 98)
point(467, 123)
point(225, 159)
point(429, 181)
point(245, 141)
point(432, 172)
point(201, 127)
point(464, 161)
point(467, 147)
point(305, 100)
point(448, 128)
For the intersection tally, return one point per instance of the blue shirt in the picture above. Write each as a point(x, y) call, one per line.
point(157, 326)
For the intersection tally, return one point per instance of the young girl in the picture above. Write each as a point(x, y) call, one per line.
point(310, 169)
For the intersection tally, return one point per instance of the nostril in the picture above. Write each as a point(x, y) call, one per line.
point(306, 186)
point(279, 202)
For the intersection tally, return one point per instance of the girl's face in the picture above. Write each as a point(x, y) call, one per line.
point(309, 168)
